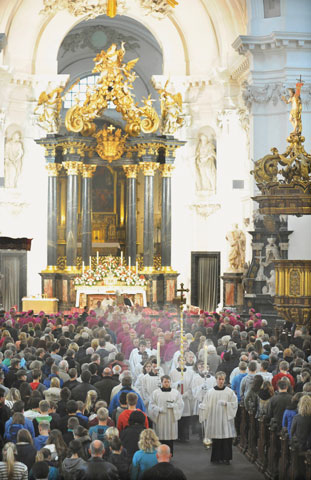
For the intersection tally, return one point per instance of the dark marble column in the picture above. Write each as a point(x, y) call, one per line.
point(131, 175)
point(166, 223)
point(148, 169)
point(53, 170)
point(87, 173)
point(73, 169)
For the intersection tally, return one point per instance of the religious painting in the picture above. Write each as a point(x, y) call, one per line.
point(48, 287)
point(104, 190)
point(65, 291)
point(229, 294)
point(138, 299)
point(72, 292)
point(170, 290)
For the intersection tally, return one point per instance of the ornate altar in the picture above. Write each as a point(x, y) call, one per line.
point(93, 170)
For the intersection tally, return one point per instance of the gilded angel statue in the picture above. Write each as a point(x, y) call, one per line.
point(171, 110)
point(48, 108)
point(295, 113)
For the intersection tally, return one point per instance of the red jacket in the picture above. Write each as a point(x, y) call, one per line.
point(123, 419)
point(278, 377)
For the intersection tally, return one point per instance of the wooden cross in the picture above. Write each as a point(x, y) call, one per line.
point(182, 290)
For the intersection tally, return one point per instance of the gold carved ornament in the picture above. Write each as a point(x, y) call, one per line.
point(72, 168)
point(53, 169)
point(166, 170)
point(88, 170)
point(130, 171)
point(149, 168)
point(110, 144)
point(114, 84)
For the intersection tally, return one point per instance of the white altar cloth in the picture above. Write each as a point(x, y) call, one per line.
point(110, 290)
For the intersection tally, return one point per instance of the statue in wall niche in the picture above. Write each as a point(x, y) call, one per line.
point(205, 160)
point(272, 251)
point(13, 157)
point(269, 288)
point(237, 241)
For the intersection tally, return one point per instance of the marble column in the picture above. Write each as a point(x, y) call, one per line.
point(53, 170)
point(131, 175)
point(148, 169)
point(87, 173)
point(166, 223)
point(72, 169)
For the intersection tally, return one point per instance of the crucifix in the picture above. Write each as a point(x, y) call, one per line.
point(181, 302)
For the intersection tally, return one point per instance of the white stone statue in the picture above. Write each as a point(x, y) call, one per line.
point(269, 288)
point(13, 156)
point(272, 251)
point(205, 160)
point(237, 241)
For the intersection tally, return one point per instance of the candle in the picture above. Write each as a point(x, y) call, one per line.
point(129, 263)
point(121, 257)
point(136, 268)
point(82, 268)
point(205, 358)
point(97, 258)
point(158, 355)
point(90, 262)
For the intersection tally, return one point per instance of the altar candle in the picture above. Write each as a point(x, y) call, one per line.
point(90, 262)
point(158, 355)
point(136, 268)
point(82, 268)
point(97, 258)
point(205, 358)
point(121, 257)
point(129, 263)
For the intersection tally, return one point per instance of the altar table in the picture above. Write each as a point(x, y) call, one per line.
point(90, 295)
point(47, 305)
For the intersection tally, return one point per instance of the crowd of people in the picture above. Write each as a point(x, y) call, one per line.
point(103, 394)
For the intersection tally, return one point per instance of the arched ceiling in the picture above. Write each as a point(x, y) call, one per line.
point(197, 35)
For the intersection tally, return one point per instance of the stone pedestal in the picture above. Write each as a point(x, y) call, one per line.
point(61, 286)
point(232, 290)
point(161, 288)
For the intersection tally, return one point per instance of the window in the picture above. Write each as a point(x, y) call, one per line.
point(80, 90)
point(272, 8)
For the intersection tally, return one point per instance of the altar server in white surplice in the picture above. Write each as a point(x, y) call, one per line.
point(183, 383)
point(202, 382)
point(151, 381)
point(165, 409)
point(220, 406)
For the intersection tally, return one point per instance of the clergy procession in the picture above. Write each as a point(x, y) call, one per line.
point(111, 393)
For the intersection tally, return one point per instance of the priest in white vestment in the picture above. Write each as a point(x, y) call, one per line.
point(165, 409)
point(219, 409)
point(182, 381)
point(202, 381)
point(151, 381)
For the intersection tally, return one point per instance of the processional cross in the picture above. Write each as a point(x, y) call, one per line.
point(181, 302)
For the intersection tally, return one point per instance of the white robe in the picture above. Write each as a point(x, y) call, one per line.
point(187, 389)
point(200, 385)
point(165, 419)
point(219, 419)
point(149, 383)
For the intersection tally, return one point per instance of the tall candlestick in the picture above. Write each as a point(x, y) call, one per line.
point(205, 358)
point(158, 355)
point(136, 268)
point(97, 258)
point(90, 261)
point(121, 257)
point(83, 266)
point(129, 263)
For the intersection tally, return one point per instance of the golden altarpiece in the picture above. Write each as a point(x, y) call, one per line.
point(104, 177)
point(284, 180)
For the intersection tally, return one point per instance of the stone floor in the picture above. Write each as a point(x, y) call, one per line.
point(194, 459)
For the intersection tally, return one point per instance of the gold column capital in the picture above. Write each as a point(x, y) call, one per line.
point(53, 169)
point(130, 171)
point(149, 168)
point(50, 150)
point(72, 168)
point(166, 170)
point(88, 170)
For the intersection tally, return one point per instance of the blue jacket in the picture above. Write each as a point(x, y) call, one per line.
point(115, 400)
point(40, 441)
point(288, 416)
point(47, 381)
point(141, 462)
point(28, 426)
point(236, 383)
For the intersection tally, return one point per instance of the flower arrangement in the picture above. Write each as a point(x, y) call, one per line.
point(110, 270)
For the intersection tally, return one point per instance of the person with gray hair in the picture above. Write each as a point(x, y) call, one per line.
point(63, 369)
point(97, 468)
